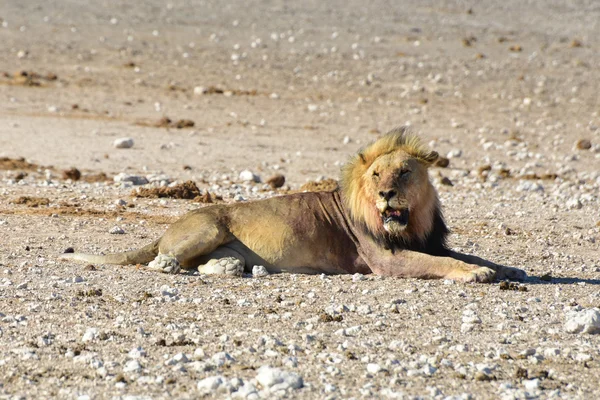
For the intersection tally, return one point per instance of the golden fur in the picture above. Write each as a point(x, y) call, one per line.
point(385, 219)
point(360, 194)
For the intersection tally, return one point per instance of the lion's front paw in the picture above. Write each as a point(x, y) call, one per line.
point(165, 263)
point(479, 274)
point(510, 273)
point(224, 266)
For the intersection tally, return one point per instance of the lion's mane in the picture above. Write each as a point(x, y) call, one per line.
point(427, 231)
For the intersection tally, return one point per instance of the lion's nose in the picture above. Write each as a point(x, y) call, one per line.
point(387, 194)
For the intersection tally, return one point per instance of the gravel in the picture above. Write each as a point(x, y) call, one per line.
point(301, 94)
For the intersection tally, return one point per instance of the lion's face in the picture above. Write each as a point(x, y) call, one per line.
point(396, 183)
point(386, 188)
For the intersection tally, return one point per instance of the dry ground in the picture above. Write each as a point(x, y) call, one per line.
point(507, 90)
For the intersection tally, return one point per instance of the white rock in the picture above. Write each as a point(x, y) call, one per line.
point(531, 385)
point(211, 384)
point(583, 357)
point(138, 352)
point(258, 271)
point(123, 143)
point(277, 379)
point(116, 230)
point(179, 358)
point(585, 321)
point(222, 358)
point(248, 176)
point(551, 352)
point(373, 368)
point(134, 179)
point(168, 291)
point(199, 354)
point(90, 334)
point(529, 186)
point(200, 90)
point(358, 277)
point(454, 153)
point(574, 204)
point(132, 366)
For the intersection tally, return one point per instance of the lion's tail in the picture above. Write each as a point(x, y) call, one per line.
point(140, 256)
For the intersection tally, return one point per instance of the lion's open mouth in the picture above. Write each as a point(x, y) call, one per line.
point(396, 216)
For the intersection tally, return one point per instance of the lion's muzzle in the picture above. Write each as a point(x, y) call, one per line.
point(398, 218)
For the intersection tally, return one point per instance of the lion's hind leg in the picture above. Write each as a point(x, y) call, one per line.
point(188, 240)
point(222, 261)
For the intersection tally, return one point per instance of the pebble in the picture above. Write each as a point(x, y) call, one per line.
point(275, 379)
point(116, 230)
point(358, 277)
point(276, 181)
point(200, 90)
point(259, 271)
point(532, 384)
point(249, 176)
point(168, 291)
point(222, 358)
point(138, 352)
point(123, 143)
point(456, 153)
point(584, 321)
point(134, 179)
point(373, 368)
point(583, 144)
point(574, 204)
point(90, 334)
point(132, 366)
point(179, 358)
point(529, 186)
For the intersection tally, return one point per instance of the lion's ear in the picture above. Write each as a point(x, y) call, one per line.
point(430, 157)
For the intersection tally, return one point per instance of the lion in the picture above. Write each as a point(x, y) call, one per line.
point(385, 218)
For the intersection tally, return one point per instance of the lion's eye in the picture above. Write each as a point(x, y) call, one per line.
point(375, 174)
point(405, 172)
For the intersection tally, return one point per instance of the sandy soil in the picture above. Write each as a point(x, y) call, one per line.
point(507, 90)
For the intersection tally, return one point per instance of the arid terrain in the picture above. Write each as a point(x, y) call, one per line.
point(228, 94)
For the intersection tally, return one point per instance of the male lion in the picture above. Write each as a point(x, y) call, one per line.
point(385, 219)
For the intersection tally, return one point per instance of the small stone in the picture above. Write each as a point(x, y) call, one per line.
point(132, 366)
point(249, 176)
point(531, 385)
point(258, 271)
point(168, 291)
point(116, 230)
point(456, 153)
point(123, 143)
point(200, 90)
point(276, 181)
point(211, 384)
point(138, 352)
point(585, 321)
point(276, 379)
point(373, 368)
point(583, 144)
point(134, 179)
point(358, 277)
point(442, 162)
point(529, 186)
point(574, 204)
point(446, 181)
point(90, 334)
